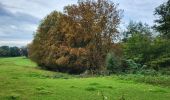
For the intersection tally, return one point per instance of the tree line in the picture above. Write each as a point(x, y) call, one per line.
point(83, 38)
point(147, 50)
point(6, 51)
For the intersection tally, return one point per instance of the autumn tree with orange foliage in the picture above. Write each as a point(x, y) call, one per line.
point(77, 39)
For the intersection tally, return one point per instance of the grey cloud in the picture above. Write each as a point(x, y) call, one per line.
point(16, 26)
point(7, 15)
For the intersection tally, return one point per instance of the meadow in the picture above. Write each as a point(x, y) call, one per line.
point(21, 79)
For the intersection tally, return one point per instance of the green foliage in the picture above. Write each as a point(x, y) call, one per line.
point(160, 63)
point(6, 51)
point(112, 62)
point(160, 47)
point(137, 48)
point(150, 72)
point(165, 71)
point(138, 44)
point(129, 66)
point(15, 51)
point(160, 54)
point(136, 28)
point(163, 22)
point(146, 50)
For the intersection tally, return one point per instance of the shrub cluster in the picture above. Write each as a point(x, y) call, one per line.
point(78, 39)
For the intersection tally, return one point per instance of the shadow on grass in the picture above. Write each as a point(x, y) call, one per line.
point(90, 88)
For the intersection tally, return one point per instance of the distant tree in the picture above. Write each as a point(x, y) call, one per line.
point(14, 51)
point(77, 39)
point(137, 28)
point(24, 51)
point(4, 51)
point(163, 22)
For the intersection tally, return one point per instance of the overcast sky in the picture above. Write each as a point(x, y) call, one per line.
point(19, 18)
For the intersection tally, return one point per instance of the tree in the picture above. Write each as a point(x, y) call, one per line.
point(160, 53)
point(24, 51)
point(47, 40)
point(138, 42)
point(98, 22)
point(77, 39)
point(144, 49)
point(163, 22)
point(14, 51)
point(137, 28)
point(4, 51)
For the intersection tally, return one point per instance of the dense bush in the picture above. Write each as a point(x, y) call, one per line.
point(138, 48)
point(155, 54)
point(160, 63)
point(78, 39)
point(129, 66)
point(112, 62)
point(145, 49)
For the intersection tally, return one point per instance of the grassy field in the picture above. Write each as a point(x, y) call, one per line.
point(21, 79)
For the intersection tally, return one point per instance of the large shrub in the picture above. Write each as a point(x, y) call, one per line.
point(77, 39)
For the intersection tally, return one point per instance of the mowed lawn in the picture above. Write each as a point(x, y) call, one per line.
point(21, 79)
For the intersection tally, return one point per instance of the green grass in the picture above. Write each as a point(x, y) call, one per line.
point(21, 79)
